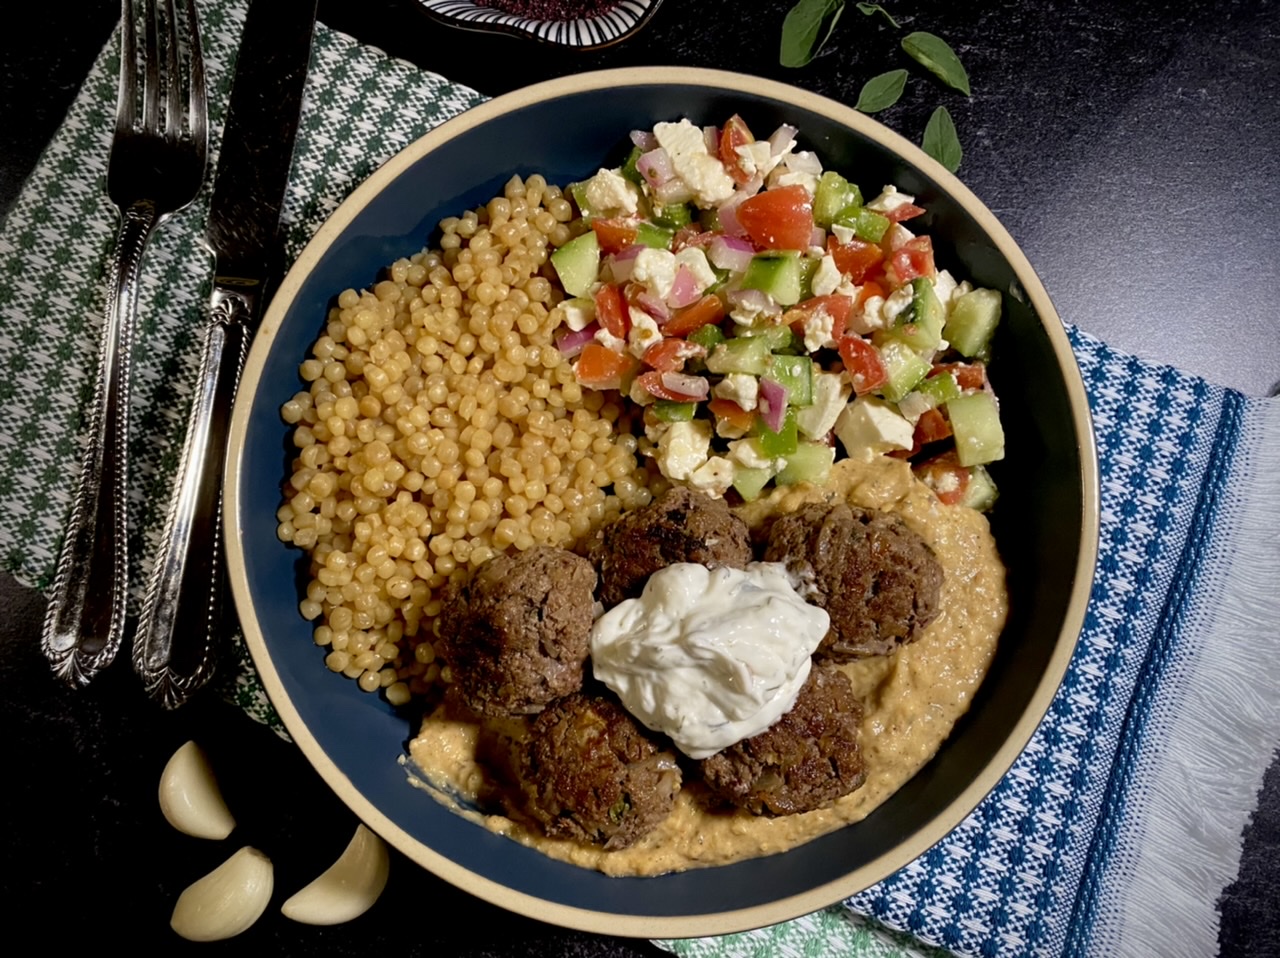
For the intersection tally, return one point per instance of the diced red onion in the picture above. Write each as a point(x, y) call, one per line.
point(621, 264)
point(572, 341)
point(730, 252)
point(711, 136)
point(694, 386)
point(818, 237)
point(684, 289)
point(653, 305)
point(781, 137)
point(773, 404)
point(727, 213)
point(672, 191)
point(804, 162)
point(655, 166)
point(644, 139)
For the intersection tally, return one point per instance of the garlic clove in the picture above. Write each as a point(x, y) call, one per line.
point(348, 888)
point(227, 900)
point(190, 798)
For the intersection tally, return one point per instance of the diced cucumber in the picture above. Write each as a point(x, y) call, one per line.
point(869, 225)
point(579, 193)
point(808, 266)
point(669, 410)
point(781, 338)
point(749, 481)
point(795, 374)
point(784, 442)
point(939, 389)
point(974, 317)
point(904, 368)
point(673, 216)
point(577, 262)
point(981, 492)
point(811, 462)
point(776, 272)
point(708, 337)
point(742, 354)
point(920, 324)
point(834, 194)
point(649, 234)
point(629, 170)
point(975, 420)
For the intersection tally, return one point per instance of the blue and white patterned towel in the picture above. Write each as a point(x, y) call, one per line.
point(1117, 829)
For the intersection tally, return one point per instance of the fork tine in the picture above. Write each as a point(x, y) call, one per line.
point(198, 110)
point(127, 96)
point(173, 76)
point(151, 82)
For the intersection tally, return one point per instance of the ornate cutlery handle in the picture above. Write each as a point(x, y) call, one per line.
point(84, 622)
point(180, 628)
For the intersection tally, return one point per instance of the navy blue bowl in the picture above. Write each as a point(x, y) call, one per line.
point(1045, 524)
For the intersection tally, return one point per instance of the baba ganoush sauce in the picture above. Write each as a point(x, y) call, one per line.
point(912, 697)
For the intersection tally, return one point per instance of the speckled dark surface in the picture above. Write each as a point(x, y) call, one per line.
point(1132, 150)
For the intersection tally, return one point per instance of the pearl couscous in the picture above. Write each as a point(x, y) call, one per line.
point(440, 425)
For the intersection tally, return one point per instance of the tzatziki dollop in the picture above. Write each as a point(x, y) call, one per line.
point(709, 657)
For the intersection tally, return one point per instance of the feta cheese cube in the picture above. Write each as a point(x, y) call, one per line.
point(869, 426)
point(898, 300)
point(608, 191)
point(578, 313)
point(644, 332)
point(830, 393)
point(683, 448)
point(747, 452)
point(742, 388)
point(703, 173)
point(890, 199)
point(610, 341)
point(695, 261)
point(714, 477)
point(827, 277)
point(757, 157)
point(819, 330)
point(869, 318)
point(655, 269)
point(842, 233)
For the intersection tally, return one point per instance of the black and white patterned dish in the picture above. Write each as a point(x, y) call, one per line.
point(617, 23)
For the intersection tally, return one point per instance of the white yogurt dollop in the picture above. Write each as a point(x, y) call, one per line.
point(709, 657)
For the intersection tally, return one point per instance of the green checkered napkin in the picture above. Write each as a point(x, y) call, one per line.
point(361, 107)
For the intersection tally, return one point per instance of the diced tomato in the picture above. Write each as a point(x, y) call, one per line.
point(778, 219)
point(652, 383)
point(690, 236)
point(945, 476)
point(914, 258)
point(968, 375)
point(836, 306)
point(614, 235)
point(932, 426)
point(862, 363)
point(707, 310)
point(731, 413)
point(612, 312)
point(601, 368)
point(855, 258)
point(907, 211)
point(669, 355)
point(734, 135)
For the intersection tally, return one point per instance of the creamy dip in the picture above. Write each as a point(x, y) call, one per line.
point(912, 698)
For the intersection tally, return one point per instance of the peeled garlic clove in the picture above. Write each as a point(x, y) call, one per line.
point(348, 887)
point(227, 900)
point(190, 798)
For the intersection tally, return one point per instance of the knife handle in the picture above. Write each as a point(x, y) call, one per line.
point(85, 620)
point(180, 629)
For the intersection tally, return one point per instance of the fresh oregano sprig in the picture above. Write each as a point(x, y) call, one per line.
point(803, 33)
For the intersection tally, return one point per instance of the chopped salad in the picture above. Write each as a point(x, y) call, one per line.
point(769, 317)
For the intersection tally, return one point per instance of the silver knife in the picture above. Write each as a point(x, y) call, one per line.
point(176, 646)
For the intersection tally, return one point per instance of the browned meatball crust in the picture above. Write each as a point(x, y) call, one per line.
point(805, 760)
point(681, 525)
point(589, 772)
point(877, 578)
point(517, 633)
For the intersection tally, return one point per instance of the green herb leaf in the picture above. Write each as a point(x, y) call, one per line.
point(881, 92)
point(871, 9)
point(938, 58)
point(940, 139)
point(802, 30)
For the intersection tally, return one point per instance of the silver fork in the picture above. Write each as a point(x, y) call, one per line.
point(156, 167)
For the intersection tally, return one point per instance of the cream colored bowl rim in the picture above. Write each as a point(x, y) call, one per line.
point(758, 915)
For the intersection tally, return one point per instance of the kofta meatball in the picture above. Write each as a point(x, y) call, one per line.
point(589, 772)
point(876, 577)
point(517, 633)
point(805, 760)
point(681, 525)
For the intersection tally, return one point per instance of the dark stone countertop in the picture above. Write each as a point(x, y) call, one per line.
point(1133, 150)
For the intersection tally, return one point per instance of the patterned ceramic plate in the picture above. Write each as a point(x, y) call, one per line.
point(619, 21)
